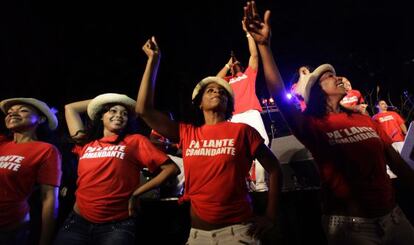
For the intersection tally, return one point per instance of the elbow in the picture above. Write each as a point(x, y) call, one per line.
point(140, 111)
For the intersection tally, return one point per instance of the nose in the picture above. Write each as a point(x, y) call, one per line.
point(12, 113)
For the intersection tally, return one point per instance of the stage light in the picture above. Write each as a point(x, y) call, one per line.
point(288, 96)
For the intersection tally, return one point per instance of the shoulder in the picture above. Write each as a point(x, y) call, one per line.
point(3, 139)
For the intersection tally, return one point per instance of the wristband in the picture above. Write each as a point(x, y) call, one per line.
point(248, 35)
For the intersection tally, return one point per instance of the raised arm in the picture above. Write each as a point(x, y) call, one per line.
point(254, 55)
point(73, 118)
point(145, 100)
point(261, 32)
point(223, 72)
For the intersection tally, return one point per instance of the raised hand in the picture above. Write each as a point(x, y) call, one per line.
point(151, 48)
point(258, 29)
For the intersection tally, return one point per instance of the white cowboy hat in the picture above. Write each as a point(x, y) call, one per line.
point(307, 81)
point(207, 80)
point(40, 105)
point(96, 104)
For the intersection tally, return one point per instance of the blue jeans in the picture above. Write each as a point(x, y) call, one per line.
point(78, 231)
point(390, 229)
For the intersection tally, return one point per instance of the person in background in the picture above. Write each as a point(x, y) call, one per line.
point(247, 110)
point(217, 156)
point(26, 159)
point(353, 99)
point(111, 157)
point(350, 150)
point(392, 123)
point(301, 74)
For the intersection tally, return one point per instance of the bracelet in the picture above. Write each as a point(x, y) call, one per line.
point(227, 66)
point(248, 35)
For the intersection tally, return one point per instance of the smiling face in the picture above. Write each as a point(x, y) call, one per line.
point(215, 97)
point(23, 117)
point(115, 119)
point(332, 85)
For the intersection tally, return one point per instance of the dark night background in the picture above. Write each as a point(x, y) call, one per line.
point(63, 51)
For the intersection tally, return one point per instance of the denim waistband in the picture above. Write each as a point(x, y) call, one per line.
point(338, 219)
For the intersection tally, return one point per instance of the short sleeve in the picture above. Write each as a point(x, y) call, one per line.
point(50, 171)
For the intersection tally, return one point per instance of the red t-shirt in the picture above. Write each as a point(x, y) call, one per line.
point(349, 150)
point(391, 123)
point(108, 174)
point(217, 159)
point(244, 88)
point(352, 97)
point(21, 167)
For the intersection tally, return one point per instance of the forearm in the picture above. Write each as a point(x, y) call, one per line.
point(49, 215)
point(272, 75)
point(223, 72)
point(73, 118)
point(254, 55)
point(145, 99)
point(403, 129)
point(168, 170)
point(275, 182)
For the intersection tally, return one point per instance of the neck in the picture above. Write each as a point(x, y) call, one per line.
point(211, 118)
point(108, 133)
point(22, 137)
point(333, 105)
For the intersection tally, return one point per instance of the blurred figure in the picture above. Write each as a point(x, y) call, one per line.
point(353, 99)
point(301, 74)
point(392, 123)
point(350, 150)
point(247, 110)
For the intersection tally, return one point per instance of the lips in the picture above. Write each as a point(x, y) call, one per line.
point(14, 119)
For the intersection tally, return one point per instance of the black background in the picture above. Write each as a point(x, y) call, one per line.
point(63, 51)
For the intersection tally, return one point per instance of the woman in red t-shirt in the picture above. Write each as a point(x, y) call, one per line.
point(25, 160)
point(111, 157)
point(350, 150)
point(217, 156)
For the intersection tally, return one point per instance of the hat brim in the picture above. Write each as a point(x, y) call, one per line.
point(306, 82)
point(40, 105)
point(208, 80)
point(96, 104)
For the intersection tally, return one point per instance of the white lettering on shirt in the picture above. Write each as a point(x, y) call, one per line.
point(11, 162)
point(351, 135)
point(211, 147)
point(117, 151)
